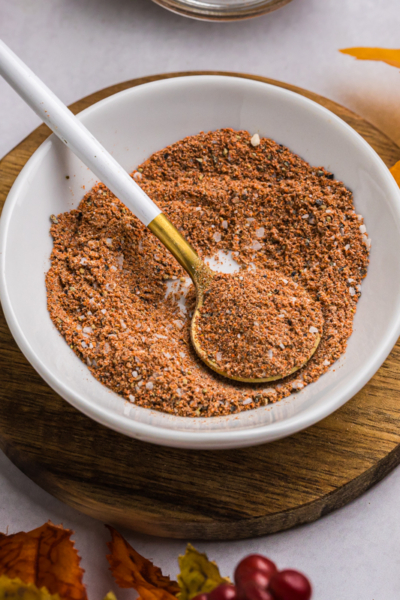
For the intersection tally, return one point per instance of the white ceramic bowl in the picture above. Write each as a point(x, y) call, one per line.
point(132, 125)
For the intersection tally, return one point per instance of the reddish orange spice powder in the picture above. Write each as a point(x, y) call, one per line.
point(109, 275)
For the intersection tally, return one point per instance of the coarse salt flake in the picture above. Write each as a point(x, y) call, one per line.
point(131, 398)
point(260, 232)
point(256, 245)
point(247, 401)
point(352, 291)
point(217, 236)
point(149, 385)
point(297, 385)
point(326, 363)
point(313, 329)
point(282, 346)
point(225, 224)
point(255, 140)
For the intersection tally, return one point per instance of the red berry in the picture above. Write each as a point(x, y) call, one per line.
point(252, 591)
point(290, 585)
point(252, 563)
point(201, 597)
point(255, 578)
point(225, 591)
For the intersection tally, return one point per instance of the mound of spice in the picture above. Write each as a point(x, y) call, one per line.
point(257, 324)
point(113, 290)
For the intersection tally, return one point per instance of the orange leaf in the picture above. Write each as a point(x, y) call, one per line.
point(46, 557)
point(131, 570)
point(386, 55)
point(395, 171)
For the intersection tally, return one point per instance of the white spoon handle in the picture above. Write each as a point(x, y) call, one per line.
point(75, 135)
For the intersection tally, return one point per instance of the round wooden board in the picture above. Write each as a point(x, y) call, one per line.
point(228, 494)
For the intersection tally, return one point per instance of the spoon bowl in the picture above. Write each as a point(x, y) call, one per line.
point(266, 364)
point(203, 277)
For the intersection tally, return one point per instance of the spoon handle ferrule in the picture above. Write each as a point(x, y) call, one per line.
point(170, 237)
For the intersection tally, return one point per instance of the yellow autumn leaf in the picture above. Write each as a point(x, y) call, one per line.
point(197, 574)
point(110, 596)
point(15, 589)
point(395, 171)
point(386, 55)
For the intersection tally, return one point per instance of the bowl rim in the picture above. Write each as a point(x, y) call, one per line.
point(212, 439)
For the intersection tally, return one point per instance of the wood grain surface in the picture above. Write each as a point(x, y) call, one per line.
point(228, 494)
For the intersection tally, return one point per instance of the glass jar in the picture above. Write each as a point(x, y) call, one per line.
point(222, 10)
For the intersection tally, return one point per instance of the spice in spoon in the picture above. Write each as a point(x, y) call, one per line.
point(258, 325)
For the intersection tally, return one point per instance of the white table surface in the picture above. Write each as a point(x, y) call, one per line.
point(80, 46)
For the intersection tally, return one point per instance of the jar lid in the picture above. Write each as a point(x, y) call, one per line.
point(222, 10)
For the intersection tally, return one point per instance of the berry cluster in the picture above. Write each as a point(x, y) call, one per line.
point(257, 578)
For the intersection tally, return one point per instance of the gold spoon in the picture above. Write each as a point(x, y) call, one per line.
point(202, 276)
point(81, 142)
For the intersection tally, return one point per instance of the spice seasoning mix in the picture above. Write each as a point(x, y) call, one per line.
point(114, 291)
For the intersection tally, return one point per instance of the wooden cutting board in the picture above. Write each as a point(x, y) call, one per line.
point(228, 494)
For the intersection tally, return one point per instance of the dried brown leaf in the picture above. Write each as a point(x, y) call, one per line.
point(131, 570)
point(45, 557)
